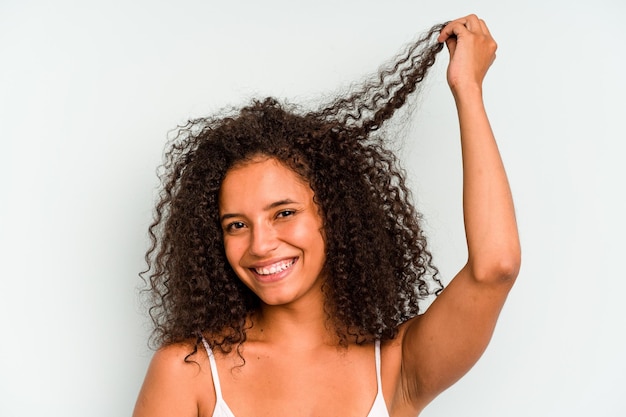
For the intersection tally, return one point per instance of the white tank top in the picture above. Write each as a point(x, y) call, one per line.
point(379, 408)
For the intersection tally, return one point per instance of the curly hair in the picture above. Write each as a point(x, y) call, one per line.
point(378, 267)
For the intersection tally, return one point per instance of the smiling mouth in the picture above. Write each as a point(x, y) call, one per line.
point(275, 268)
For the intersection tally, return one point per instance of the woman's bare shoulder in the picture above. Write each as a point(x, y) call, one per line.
point(181, 357)
point(178, 382)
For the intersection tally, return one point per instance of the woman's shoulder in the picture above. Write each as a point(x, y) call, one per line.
point(180, 353)
point(178, 382)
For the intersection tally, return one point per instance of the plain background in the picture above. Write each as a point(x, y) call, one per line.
point(89, 91)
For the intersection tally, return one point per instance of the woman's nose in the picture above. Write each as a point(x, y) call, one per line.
point(263, 240)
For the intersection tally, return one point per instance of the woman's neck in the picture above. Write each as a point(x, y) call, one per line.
point(303, 325)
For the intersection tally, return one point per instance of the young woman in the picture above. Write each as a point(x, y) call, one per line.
point(288, 263)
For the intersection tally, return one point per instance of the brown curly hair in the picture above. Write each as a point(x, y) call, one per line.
point(377, 265)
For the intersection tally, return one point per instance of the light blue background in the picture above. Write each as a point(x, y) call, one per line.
point(89, 90)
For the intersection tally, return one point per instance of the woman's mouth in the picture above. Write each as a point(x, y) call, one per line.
point(275, 271)
point(276, 267)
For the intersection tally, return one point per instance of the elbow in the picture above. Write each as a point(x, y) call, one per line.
point(502, 268)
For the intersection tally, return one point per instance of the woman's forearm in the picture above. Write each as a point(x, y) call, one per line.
point(490, 225)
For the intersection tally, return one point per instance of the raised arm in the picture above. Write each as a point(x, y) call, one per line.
point(490, 226)
point(441, 345)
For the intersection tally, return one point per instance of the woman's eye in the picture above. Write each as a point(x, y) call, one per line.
point(285, 213)
point(231, 227)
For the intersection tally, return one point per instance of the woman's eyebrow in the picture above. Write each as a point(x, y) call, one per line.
point(228, 216)
point(279, 203)
point(270, 206)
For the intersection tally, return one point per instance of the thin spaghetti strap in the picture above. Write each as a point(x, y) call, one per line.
point(379, 407)
point(378, 376)
point(216, 378)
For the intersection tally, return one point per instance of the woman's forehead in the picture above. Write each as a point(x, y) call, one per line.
point(261, 182)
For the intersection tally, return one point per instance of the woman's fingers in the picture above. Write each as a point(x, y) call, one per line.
point(470, 23)
point(451, 44)
point(451, 30)
point(484, 28)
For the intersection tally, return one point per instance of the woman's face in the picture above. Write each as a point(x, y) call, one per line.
point(272, 231)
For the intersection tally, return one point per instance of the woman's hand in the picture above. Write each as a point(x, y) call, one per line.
point(472, 51)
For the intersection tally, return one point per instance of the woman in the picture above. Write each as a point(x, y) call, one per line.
point(288, 263)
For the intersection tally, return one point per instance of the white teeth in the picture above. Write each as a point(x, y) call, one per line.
point(274, 268)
